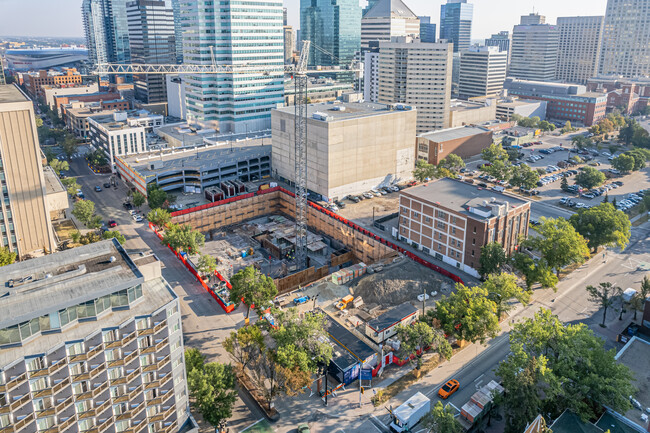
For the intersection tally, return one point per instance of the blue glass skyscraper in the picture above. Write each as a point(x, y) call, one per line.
point(456, 23)
point(334, 29)
point(427, 30)
point(106, 31)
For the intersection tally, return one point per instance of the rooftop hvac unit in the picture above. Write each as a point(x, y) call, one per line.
point(338, 108)
point(400, 107)
point(321, 116)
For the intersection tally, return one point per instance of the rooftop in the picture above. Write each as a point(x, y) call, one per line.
point(10, 93)
point(458, 196)
point(52, 183)
point(124, 119)
point(64, 279)
point(569, 422)
point(390, 8)
point(337, 110)
point(636, 355)
point(453, 133)
point(348, 340)
point(459, 105)
point(392, 316)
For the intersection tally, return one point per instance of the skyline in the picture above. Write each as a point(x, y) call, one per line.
point(490, 16)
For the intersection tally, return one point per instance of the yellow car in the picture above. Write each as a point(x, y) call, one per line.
point(448, 389)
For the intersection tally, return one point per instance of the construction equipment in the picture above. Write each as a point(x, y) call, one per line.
point(299, 73)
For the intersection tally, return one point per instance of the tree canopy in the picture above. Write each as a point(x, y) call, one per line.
point(7, 257)
point(181, 237)
point(554, 366)
point(524, 177)
point(59, 166)
point(558, 243)
point(441, 420)
point(468, 313)
point(493, 153)
point(492, 259)
point(502, 288)
point(138, 199)
point(253, 288)
point(156, 197)
point(602, 225)
point(589, 177)
point(71, 185)
point(534, 271)
point(605, 295)
point(83, 210)
point(159, 217)
point(452, 162)
point(110, 234)
point(624, 163)
point(207, 264)
point(424, 170)
point(420, 335)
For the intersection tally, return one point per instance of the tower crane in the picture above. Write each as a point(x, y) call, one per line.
point(299, 72)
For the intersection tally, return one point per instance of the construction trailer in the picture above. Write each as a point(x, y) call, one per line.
point(385, 326)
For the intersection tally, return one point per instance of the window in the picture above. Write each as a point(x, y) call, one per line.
point(86, 424)
point(37, 363)
point(119, 299)
point(148, 377)
point(42, 403)
point(427, 220)
point(473, 241)
point(119, 409)
point(441, 225)
point(80, 387)
point(474, 230)
point(112, 354)
point(45, 423)
point(472, 253)
point(74, 349)
point(115, 373)
point(4, 420)
point(110, 336)
point(416, 215)
point(176, 345)
point(117, 391)
point(39, 384)
point(78, 368)
point(453, 230)
point(177, 326)
point(172, 311)
point(440, 214)
point(148, 359)
point(453, 220)
point(83, 406)
point(142, 323)
point(153, 410)
point(121, 426)
point(144, 342)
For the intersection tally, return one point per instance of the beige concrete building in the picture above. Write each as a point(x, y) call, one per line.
point(451, 220)
point(56, 195)
point(25, 220)
point(463, 113)
point(351, 147)
point(578, 48)
point(51, 92)
point(482, 72)
point(91, 341)
point(418, 74)
point(77, 114)
point(386, 19)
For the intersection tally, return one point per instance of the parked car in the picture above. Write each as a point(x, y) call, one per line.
point(354, 199)
point(367, 195)
point(112, 223)
point(98, 188)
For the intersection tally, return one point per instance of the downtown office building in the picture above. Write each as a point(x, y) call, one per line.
point(234, 35)
point(456, 23)
point(91, 341)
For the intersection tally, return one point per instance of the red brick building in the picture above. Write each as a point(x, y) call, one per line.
point(35, 80)
point(625, 94)
point(464, 141)
point(109, 100)
point(451, 220)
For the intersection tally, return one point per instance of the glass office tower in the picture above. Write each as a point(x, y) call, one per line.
point(253, 35)
point(334, 29)
point(456, 23)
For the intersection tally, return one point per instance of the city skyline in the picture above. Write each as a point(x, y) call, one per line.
point(489, 16)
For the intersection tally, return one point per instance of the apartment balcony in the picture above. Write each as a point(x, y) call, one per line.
point(46, 412)
point(14, 405)
point(42, 393)
point(161, 344)
point(67, 423)
point(165, 379)
point(129, 338)
point(116, 363)
point(118, 381)
point(130, 357)
point(9, 429)
point(152, 367)
point(64, 404)
point(77, 358)
point(96, 371)
point(160, 326)
point(24, 422)
point(163, 362)
point(170, 428)
point(59, 386)
point(143, 332)
point(95, 350)
point(151, 385)
point(150, 349)
point(56, 367)
point(15, 382)
point(113, 344)
point(135, 373)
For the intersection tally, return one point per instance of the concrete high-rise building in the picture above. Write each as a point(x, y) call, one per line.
point(24, 215)
point(626, 39)
point(91, 340)
point(153, 41)
point(289, 44)
point(334, 29)
point(284, 17)
point(456, 23)
point(500, 40)
point(371, 73)
point(482, 72)
point(106, 31)
point(419, 74)
point(534, 49)
point(233, 102)
point(427, 30)
point(578, 48)
point(386, 19)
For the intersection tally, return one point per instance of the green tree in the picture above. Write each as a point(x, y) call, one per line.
point(492, 259)
point(114, 234)
point(159, 217)
point(640, 157)
point(212, 386)
point(468, 313)
point(423, 170)
point(71, 185)
point(626, 134)
point(181, 237)
point(602, 225)
point(534, 271)
point(546, 126)
point(156, 196)
point(69, 145)
point(441, 420)
point(564, 184)
point(524, 177)
point(194, 360)
point(581, 142)
point(39, 122)
point(558, 243)
point(567, 128)
point(245, 345)
point(83, 210)
point(75, 236)
point(452, 162)
point(59, 166)
point(7, 257)
point(624, 163)
point(589, 178)
point(604, 296)
point(419, 335)
point(501, 169)
point(207, 264)
point(501, 289)
point(138, 199)
point(253, 288)
point(494, 153)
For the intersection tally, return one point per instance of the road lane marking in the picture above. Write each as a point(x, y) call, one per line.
point(373, 424)
point(252, 425)
point(475, 380)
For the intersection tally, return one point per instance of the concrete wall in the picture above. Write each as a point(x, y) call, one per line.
point(364, 248)
point(348, 156)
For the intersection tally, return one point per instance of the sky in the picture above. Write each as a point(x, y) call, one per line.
point(63, 17)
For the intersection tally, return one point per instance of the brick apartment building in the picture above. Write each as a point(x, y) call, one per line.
point(107, 101)
point(627, 94)
point(464, 141)
point(451, 220)
point(35, 80)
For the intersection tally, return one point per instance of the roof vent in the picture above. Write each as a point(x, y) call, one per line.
point(112, 259)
